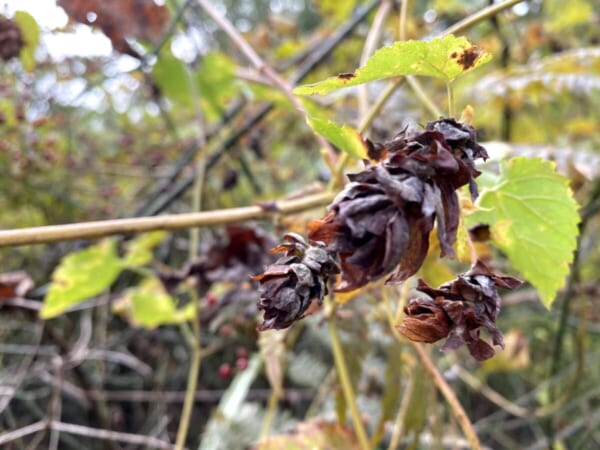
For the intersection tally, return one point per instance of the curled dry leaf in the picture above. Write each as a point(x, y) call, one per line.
point(14, 284)
point(380, 222)
point(296, 280)
point(121, 19)
point(458, 310)
point(238, 252)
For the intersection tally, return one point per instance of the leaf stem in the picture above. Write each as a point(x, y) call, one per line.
point(417, 88)
point(192, 381)
point(479, 16)
point(255, 59)
point(342, 370)
point(450, 90)
point(269, 414)
point(364, 124)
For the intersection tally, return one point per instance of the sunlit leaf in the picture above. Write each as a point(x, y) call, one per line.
point(337, 10)
point(30, 31)
point(171, 76)
point(81, 275)
point(149, 305)
point(533, 219)
point(343, 137)
point(316, 434)
point(139, 250)
point(7, 110)
point(562, 15)
point(216, 83)
point(445, 58)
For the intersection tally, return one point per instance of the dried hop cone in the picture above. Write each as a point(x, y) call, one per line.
point(381, 221)
point(290, 285)
point(458, 310)
point(10, 39)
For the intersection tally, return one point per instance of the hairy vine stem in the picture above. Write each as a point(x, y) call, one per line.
point(102, 228)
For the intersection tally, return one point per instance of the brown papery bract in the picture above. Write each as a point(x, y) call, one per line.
point(295, 282)
point(458, 310)
point(380, 223)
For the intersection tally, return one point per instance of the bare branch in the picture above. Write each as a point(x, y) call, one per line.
point(93, 230)
point(22, 432)
point(108, 435)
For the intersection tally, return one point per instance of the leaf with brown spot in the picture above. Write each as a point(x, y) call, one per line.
point(346, 76)
point(468, 57)
point(445, 57)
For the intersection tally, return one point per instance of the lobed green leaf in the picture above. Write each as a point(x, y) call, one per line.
point(533, 218)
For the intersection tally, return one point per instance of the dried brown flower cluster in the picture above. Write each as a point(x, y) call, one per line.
point(11, 41)
point(458, 310)
point(380, 223)
point(296, 280)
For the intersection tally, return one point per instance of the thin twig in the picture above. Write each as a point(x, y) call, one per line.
point(92, 230)
point(371, 41)
point(160, 198)
point(479, 17)
point(344, 377)
point(24, 368)
point(22, 432)
point(398, 429)
point(108, 435)
point(188, 402)
point(260, 65)
point(450, 396)
point(269, 414)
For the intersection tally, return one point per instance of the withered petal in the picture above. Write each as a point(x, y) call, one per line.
point(424, 321)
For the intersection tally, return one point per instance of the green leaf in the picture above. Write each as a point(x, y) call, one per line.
point(139, 251)
point(344, 137)
point(30, 32)
point(7, 109)
point(338, 10)
point(216, 83)
point(171, 76)
point(81, 275)
point(445, 58)
point(149, 305)
point(562, 15)
point(533, 219)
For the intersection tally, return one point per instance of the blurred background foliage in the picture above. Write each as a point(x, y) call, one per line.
point(115, 133)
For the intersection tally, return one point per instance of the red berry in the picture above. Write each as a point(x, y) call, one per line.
point(211, 299)
point(241, 363)
point(225, 371)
